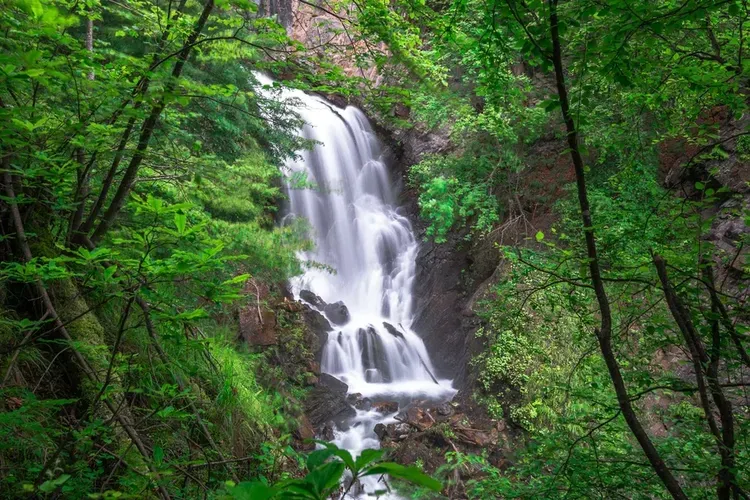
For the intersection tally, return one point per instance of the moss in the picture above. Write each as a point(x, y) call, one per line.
point(81, 323)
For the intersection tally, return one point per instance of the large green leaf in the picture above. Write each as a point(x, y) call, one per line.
point(411, 474)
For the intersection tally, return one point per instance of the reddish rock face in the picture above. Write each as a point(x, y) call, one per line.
point(305, 432)
point(257, 320)
point(258, 329)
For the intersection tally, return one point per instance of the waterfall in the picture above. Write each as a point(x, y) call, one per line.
point(360, 234)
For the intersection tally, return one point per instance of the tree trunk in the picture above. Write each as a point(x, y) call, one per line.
point(147, 130)
point(604, 334)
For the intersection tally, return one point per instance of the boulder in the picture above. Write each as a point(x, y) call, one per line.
point(312, 299)
point(327, 432)
point(318, 328)
point(327, 401)
point(444, 410)
point(305, 432)
point(381, 431)
point(359, 402)
point(386, 407)
point(337, 313)
point(374, 358)
point(398, 431)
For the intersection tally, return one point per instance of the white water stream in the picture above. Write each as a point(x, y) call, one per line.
point(359, 232)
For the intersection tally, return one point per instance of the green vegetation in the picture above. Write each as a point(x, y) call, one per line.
point(141, 175)
point(616, 337)
point(597, 144)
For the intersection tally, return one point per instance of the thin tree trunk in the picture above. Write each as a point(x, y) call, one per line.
point(604, 334)
point(147, 131)
point(142, 88)
point(90, 42)
point(725, 438)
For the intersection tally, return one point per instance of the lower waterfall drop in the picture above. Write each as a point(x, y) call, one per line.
point(359, 233)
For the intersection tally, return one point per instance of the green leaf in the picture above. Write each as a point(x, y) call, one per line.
point(53, 484)
point(367, 457)
point(411, 474)
point(237, 279)
point(180, 221)
point(318, 458)
point(539, 236)
point(158, 455)
point(252, 491)
point(326, 477)
point(110, 272)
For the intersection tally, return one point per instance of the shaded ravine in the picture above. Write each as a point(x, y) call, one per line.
point(360, 234)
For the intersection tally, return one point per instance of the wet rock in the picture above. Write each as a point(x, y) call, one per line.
point(386, 407)
point(381, 431)
point(444, 410)
point(312, 299)
point(318, 326)
point(373, 376)
point(374, 357)
point(317, 322)
point(393, 330)
point(337, 313)
point(327, 401)
point(395, 431)
point(359, 402)
point(327, 432)
point(332, 383)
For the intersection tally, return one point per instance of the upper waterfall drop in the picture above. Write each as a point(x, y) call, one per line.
point(349, 203)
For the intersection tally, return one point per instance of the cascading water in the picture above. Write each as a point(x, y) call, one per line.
point(359, 233)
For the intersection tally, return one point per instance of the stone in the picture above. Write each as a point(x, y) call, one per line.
point(327, 401)
point(312, 299)
point(385, 407)
point(381, 431)
point(305, 433)
point(304, 429)
point(374, 358)
point(397, 430)
point(359, 402)
point(327, 432)
point(318, 328)
point(258, 329)
point(393, 330)
point(420, 417)
point(444, 410)
point(333, 383)
point(313, 367)
point(337, 313)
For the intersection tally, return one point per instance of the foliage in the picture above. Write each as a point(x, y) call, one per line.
point(325, 476)
point(140, 183)
point(630, 80)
